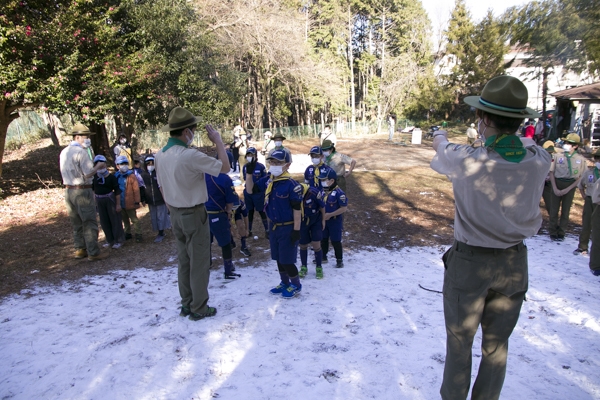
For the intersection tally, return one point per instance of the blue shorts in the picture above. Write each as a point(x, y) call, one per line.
point(220, 228)
point(313, 232)
point(282, 250)
point(333, 228)
point(254, 201)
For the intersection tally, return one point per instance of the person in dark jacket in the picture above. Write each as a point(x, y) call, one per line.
point(108, 201)
point(159, 214)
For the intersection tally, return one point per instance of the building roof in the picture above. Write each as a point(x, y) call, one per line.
point(585, 92)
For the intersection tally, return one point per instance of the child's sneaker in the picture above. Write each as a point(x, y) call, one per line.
point(339, 264)
point(291, 291)
point(159, 238)
point(303, 271)
point(279, 288)
point(319, 272)
point(117, 245)
point(579, 252)
point(245, 252)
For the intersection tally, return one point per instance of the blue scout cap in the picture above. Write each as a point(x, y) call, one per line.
point(251, 150)
point(99, 158)
point(326, 172)
point(149, 158)
point(121, 160)
point(315, 150)
point(280, 155)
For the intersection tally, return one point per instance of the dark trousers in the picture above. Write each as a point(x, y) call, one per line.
point(595, 250)
point(110, 220)
point(481, 286)
point(586, 223)
point(559, 226)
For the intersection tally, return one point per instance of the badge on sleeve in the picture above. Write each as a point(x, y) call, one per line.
point(343, 198)
point(298, 189)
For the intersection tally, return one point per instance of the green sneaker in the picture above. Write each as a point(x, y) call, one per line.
point(319, 272)
point(303, 271)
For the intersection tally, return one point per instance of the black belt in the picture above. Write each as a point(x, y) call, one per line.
point(460, 246)
point(188, 208)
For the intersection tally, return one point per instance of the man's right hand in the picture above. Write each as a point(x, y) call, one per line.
point(213, 134)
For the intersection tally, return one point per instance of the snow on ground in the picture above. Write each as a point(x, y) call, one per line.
point(365, 331)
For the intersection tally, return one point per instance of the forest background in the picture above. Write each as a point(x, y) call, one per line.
point(120, 66)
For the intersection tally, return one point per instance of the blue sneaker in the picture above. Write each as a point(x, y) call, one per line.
point(291, 291)
point(595, 272)
point(279, 288)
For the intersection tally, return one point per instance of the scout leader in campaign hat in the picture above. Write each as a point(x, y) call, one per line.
point(180, 118)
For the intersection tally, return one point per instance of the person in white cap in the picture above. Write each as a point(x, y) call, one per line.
point(180, 172)
point(471, 134)
point(497, 189)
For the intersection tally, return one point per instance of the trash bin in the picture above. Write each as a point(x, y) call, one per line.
point(416, 136)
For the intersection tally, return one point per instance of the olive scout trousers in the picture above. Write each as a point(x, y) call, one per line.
point(81, 208)
point(557, 226)
point(481, 286)
point(192, 231)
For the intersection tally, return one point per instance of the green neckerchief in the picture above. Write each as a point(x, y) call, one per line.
point(596, 173)
point(569, 155)
point(328, 158)
point(509, 147)
point(173, 142)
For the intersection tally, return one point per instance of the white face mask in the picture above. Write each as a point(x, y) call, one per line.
point(276, 170)
point(315, 161)
point(123, 141)
point(87, 143)
point(567, 147)
point(278, 143)
point(249, 159)
point(102, 171)
point(326, 153)
point(123, 168)
point(191, 140)
point(325, 183)
point(150, 168)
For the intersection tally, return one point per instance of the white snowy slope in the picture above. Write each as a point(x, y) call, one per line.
point(365, 331)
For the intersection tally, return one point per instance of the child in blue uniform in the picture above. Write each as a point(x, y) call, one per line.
point(254, 199)
point(311, 175)
point(219, 206)
point(312, 227)
point(336, 205)
point(283, 197)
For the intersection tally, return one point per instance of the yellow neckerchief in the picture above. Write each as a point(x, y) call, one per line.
point(282, 177)
point(316, 174)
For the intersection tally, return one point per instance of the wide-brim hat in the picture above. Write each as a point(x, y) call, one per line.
point(505, 96)
point(327, 144)
point(549, 146)
point(572, 138)
point(81, 129)
point(278, 136)
point(180, 118)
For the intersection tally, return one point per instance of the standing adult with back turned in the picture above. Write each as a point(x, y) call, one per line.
point(497, 188)
point(180, 171)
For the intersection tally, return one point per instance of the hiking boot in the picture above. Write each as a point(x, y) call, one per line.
point(579, 252)
point(595, 272)
point(185, 311)
point(138, 237)
point(279, 288)
point(159, 238)
point(231, 275)
point(210, 312)
point(291, 291)
point(98, 257)
point(80, 253)
point(245, 252)
point(117, 245)
point(319, 272)
point(303, 271)
point(339, 263)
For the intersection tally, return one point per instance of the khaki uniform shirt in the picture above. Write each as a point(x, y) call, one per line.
point(497, 201)
point(565, 167)
point(587, 182)
point(75, 163)
point(338, 162)
point(180, 173)
point(471, 133)
point(596, 192)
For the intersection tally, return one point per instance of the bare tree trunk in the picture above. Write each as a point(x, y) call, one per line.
point(351, 61)
point(383, 38)
point(6, 117)
point(544, 94)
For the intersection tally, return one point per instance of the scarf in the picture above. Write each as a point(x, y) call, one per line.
point(101, 176)
point(173, 142)
point(508, 147)
point(286, 175)
point(316, 174)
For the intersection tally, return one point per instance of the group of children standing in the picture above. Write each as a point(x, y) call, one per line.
point(119, 195)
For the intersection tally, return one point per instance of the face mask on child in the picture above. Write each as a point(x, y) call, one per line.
point(150, 168)
point(567, 148)
point(249, 159)
point(276, 170)
point(124, 168)
point(315, 161)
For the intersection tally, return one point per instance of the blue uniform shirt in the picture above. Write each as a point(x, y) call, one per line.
point(220, 192)
point(259, 172)
point(241, 211)
point(335, 199)
point(309, 176)
point(313, 202)
point(279, 202)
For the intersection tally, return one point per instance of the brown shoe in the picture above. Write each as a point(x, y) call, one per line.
point(97, 257)
point(80, 253)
